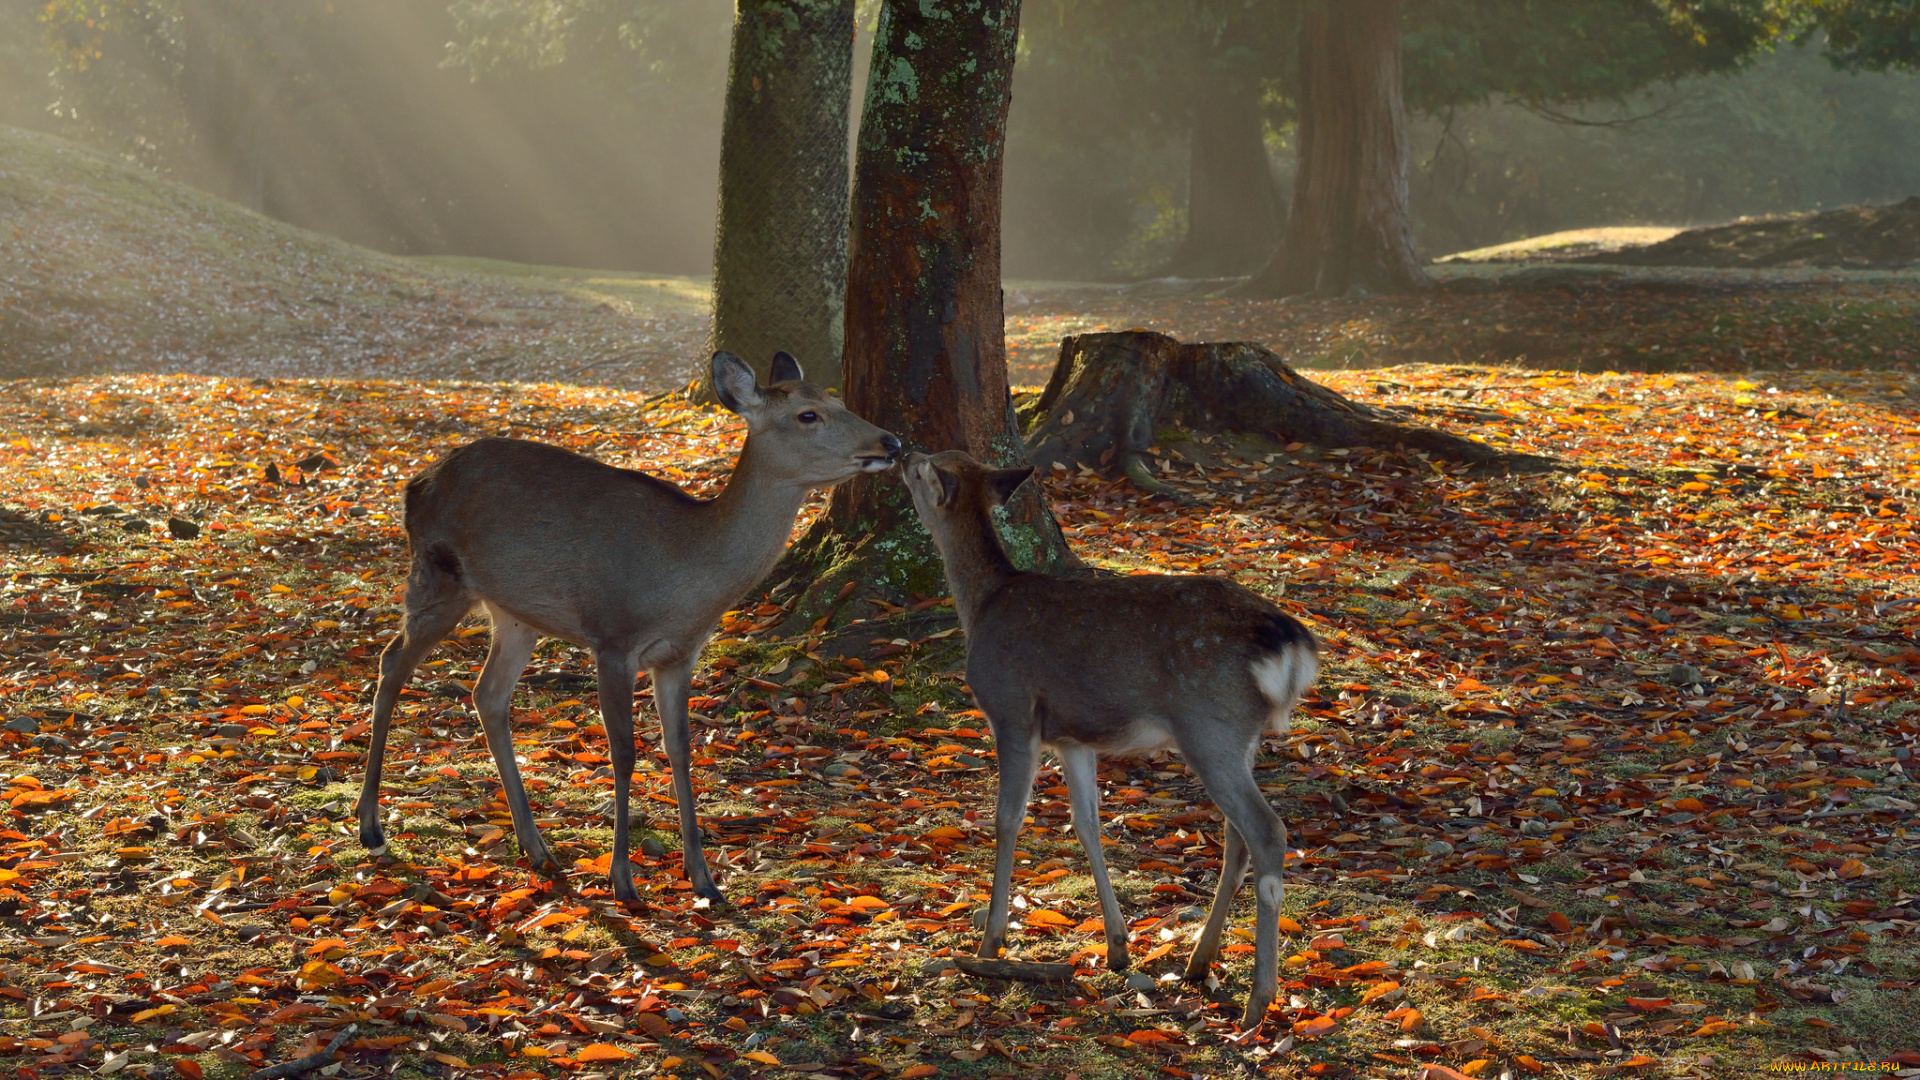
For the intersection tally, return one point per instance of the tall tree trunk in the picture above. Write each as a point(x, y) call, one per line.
point(780, 247)
point(1233, 208)
point(1348, 227)
point(925, 353)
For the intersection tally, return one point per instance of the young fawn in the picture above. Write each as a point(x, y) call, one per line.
point(554, 544)
point(1115, 666)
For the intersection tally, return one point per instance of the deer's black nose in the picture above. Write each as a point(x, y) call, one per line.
point(891, 443)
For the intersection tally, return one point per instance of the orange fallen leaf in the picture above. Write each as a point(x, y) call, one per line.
point(1378, 991)
point(603, 1052)
point(1714, 1027)
point(1314, 1028)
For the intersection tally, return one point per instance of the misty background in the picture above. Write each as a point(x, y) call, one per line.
point(421, 127)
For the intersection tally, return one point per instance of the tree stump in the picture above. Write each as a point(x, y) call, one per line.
point(1112, 394)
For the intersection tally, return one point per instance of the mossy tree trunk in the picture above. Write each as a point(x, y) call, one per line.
point(925, 353)
point(1348, 226)
point(780, 240)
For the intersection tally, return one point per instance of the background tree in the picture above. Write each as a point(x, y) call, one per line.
point(1348, 225)
point(925, 353)
point(1866, 35)
point(780, 247)
point(1234, 212)
point(1160, 104)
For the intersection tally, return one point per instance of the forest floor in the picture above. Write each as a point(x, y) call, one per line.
point(1610, 770)
point(1606, 773)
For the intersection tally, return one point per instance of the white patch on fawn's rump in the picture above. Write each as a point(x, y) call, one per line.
point(1272, 889)
point(1282, 677)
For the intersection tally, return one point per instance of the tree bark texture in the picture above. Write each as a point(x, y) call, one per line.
point(925, 354)
point(1112, 396)
point(780, 247)
point(1348, 225)
point(1233, 207)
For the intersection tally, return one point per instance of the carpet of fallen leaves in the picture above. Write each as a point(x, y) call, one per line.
point(1609, 771)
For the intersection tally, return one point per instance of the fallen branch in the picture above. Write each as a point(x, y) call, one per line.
point(305, 1064)
point(1024, 970)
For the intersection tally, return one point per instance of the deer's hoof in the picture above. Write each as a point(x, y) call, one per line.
point(372, 838)
point(711, 893)
point(1118, 961)
point(625, 893)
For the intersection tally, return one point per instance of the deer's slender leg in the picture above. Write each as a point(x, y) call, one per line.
point(616, 674)
point(1238, 796)
point(435, 605)
point(1019, 762)
point(671, 685)
point(1233, 874)
point(493, 699)
point(1081, 767)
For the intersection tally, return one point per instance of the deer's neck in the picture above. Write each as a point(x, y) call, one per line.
point(977, 566)
point(753, 518)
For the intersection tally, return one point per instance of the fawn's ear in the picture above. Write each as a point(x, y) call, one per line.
point(949, 484)
point(785, 368)
point(1002, 482)
point(734, 383)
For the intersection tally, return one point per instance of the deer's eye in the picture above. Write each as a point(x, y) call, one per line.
point(808, 417)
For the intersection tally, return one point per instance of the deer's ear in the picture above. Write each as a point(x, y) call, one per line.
point(785, 368)
point(734, 383)
point(1004, 481)
point(949, 485)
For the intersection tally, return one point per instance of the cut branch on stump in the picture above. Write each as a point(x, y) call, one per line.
point(1112, 394)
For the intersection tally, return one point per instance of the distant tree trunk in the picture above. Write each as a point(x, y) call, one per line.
point(1348, 227)
point(925, 353)
point(780, 247)
point(1233, 208)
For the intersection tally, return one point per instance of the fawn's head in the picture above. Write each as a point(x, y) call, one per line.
point(802, 432)
point(952, 487)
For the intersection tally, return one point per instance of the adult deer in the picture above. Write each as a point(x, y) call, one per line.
point(553, 544)
point(1108, 667)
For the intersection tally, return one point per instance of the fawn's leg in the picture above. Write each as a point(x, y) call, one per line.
point(435, 605)
point(1019, 761)
point(671, 685)
point(1081, 767)
point(1233, 874)
point(615, 675)
point(1238, 796)
point(493, 699)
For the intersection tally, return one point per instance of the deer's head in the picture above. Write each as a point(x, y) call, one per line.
point(799, 431)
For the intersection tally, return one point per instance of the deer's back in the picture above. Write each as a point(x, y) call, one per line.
point(1099, 655)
